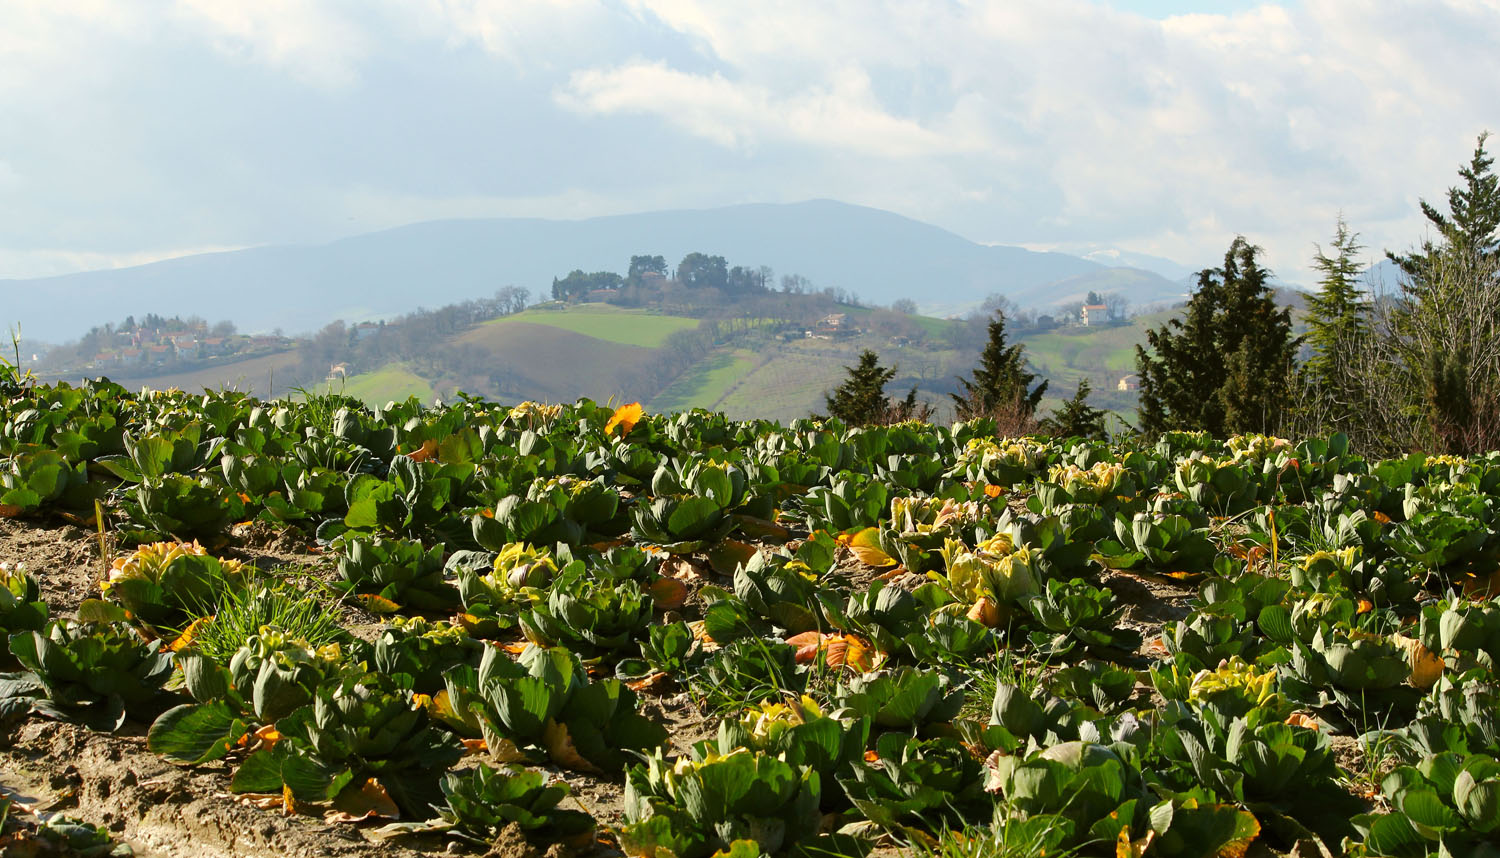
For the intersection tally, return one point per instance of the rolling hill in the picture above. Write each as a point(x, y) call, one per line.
point(597, 350)
point(876, 254)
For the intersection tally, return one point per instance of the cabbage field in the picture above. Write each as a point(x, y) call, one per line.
point(579, 629)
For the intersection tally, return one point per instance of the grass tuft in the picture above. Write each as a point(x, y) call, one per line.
point(281, 605)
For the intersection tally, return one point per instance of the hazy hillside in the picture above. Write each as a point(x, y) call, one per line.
point(1143, 287)
point(878, 255)
point(598, 351)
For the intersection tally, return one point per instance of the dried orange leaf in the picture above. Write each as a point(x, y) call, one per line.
point(655, 683)
point(1426, 665)
point(851, 652)
point(1298, 719)
point(866, 546)
point(759, 528)
point(838, 650)
point(668, 593)
point(813, 638)
point(985, 611)
point(190, 633)
point(1481, 586)
point(369, 800)
point(507, 751)
point(729, 555)
point(559, 745)
point(261, 800)
point(428, 450)
point(268, 736)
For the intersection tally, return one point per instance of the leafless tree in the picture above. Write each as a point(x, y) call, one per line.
point(1431, 368)
point(1118, 306)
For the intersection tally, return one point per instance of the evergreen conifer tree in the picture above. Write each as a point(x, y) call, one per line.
point(1000, 381)
point(1337, 315)
point(1226, 366)
point(1179, 376)
point(861, 399)
point(1472, 225)
point(1338, 322)
point(1076, 418)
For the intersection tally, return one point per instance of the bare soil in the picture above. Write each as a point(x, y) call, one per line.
point(165, 811)
point(160, 809)
point(64, 560)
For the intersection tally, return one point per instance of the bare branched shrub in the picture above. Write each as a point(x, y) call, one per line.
point(901, 411)
point(1013, 418)
point(1431, 369)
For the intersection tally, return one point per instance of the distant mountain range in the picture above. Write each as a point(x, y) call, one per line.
point(878, 255)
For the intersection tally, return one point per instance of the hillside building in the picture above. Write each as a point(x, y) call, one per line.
point(832, 325)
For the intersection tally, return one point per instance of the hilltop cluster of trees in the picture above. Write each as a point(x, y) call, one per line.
point(971, 333)
point(648, 275)
point(700, 282)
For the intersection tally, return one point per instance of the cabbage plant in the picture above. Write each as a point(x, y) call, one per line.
point(694, 807)
point(86, 673)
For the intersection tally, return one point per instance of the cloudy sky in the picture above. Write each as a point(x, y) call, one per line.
point(132, 130)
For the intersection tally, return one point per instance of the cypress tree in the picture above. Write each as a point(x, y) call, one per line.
point(1000, 381)
point(1179, 377)
point(1226, 366)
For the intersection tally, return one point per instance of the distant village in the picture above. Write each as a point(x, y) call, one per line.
point(155, 344)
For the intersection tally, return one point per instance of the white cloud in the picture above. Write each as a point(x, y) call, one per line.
point(530, 34)
point(1064, 123)
point(320, 43)
point(1162, 136)
point(46, 262)
point(842, 115)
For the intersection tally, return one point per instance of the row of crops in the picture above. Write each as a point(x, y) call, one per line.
point(903, 633)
